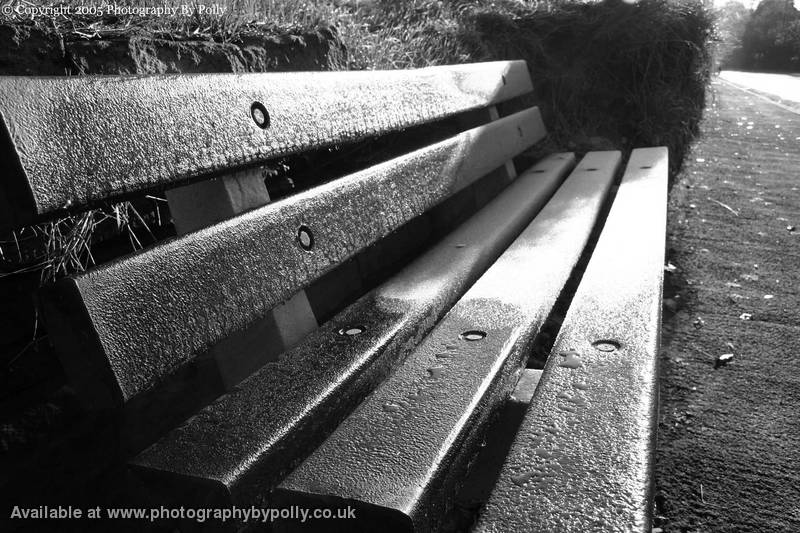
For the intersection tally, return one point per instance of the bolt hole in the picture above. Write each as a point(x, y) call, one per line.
point(606, 345)
point(473, 335)
point(260, 115)
point(351, 331)
point(305, 238)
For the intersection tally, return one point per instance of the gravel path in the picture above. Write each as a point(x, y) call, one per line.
point(728, 457)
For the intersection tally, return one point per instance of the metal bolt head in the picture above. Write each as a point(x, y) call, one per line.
point(606, 345)
point(351, 331)
point(305, 238)
point(260, 115)
point(473, 335)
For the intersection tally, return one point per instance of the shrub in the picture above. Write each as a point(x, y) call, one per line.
point(608, 73)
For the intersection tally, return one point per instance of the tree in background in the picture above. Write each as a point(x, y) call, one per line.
point(771, 40)
point(790, 38)
point(731, 23)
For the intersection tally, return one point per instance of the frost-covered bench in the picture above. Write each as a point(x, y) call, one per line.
point(329, 391)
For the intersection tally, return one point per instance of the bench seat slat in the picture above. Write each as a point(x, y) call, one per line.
point(401, 456)
point(92, 138)
point(582, 459)
point(246, 441)
point(151, 312)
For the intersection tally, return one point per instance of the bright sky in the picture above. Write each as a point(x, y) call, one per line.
point(749, 3)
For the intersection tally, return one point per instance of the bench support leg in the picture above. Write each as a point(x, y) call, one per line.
point(498, 179)
point(205, 203)
point(511, 170)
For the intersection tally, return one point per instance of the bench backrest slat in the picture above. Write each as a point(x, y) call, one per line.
point(151, 312)
point(91, 139)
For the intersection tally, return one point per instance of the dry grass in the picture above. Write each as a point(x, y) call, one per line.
point(64, 245)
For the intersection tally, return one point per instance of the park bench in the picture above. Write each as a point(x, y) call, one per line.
point(353, 344)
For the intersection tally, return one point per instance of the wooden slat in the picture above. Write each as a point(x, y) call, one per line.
point(246, 441)
point(583, 458)
point(92, 138)
point(127, 324)
point(402, 455)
